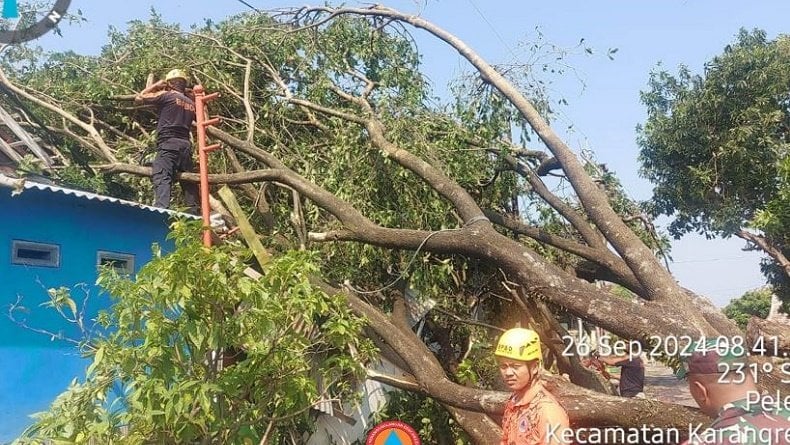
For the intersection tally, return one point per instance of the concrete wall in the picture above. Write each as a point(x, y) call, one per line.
point(35, 368)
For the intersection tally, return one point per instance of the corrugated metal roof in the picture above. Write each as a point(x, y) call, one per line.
point(19, 185)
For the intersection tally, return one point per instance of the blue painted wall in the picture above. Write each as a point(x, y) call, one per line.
point(33, 368)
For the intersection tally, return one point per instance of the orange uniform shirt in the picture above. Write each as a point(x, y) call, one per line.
point(529, 419)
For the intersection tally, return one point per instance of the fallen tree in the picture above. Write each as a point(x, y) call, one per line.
point(331, 140)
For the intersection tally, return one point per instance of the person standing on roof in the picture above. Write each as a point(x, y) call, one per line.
point(176, 113)
point(532, 415)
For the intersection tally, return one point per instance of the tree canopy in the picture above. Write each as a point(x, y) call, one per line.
point(716, 146)
point(755, 303)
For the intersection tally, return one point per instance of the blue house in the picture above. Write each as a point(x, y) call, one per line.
point(55, 237)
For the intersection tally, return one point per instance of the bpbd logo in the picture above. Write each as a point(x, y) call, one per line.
point(42, 25)
point(10, 9)
point(393, 432)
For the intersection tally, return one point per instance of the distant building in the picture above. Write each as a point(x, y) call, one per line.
point(51, 237)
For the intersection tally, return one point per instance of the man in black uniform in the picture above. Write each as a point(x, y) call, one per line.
point(632, 374)
point(173, 150)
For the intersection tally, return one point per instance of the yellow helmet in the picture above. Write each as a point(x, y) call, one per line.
point(519, 344)
point(176, 74)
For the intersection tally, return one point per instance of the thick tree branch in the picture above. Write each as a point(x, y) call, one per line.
point(601, 256)
point(628, 318)
point(772, 250)
point(479, 426)
point(340, 209)
point(655, 279)
point(713, 315)
point(463, 202)
point(591, 236)
point(477, 241)
point(547, 166)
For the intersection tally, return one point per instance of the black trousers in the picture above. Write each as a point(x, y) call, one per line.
point(174, 156)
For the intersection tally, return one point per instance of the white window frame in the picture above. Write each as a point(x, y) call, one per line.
point(52, 249)
point(126, 258)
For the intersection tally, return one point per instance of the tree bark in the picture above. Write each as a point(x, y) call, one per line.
point(772, 337)
point(481, 428)
point(618, 271)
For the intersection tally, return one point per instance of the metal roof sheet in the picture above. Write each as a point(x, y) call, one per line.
point(20, 184)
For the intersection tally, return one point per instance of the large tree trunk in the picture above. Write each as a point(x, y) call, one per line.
point(584, 407)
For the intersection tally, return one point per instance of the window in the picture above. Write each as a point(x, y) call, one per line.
point(123, 263)
point(35, 254)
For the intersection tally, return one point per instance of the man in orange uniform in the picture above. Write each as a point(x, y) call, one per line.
point(532, 415)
